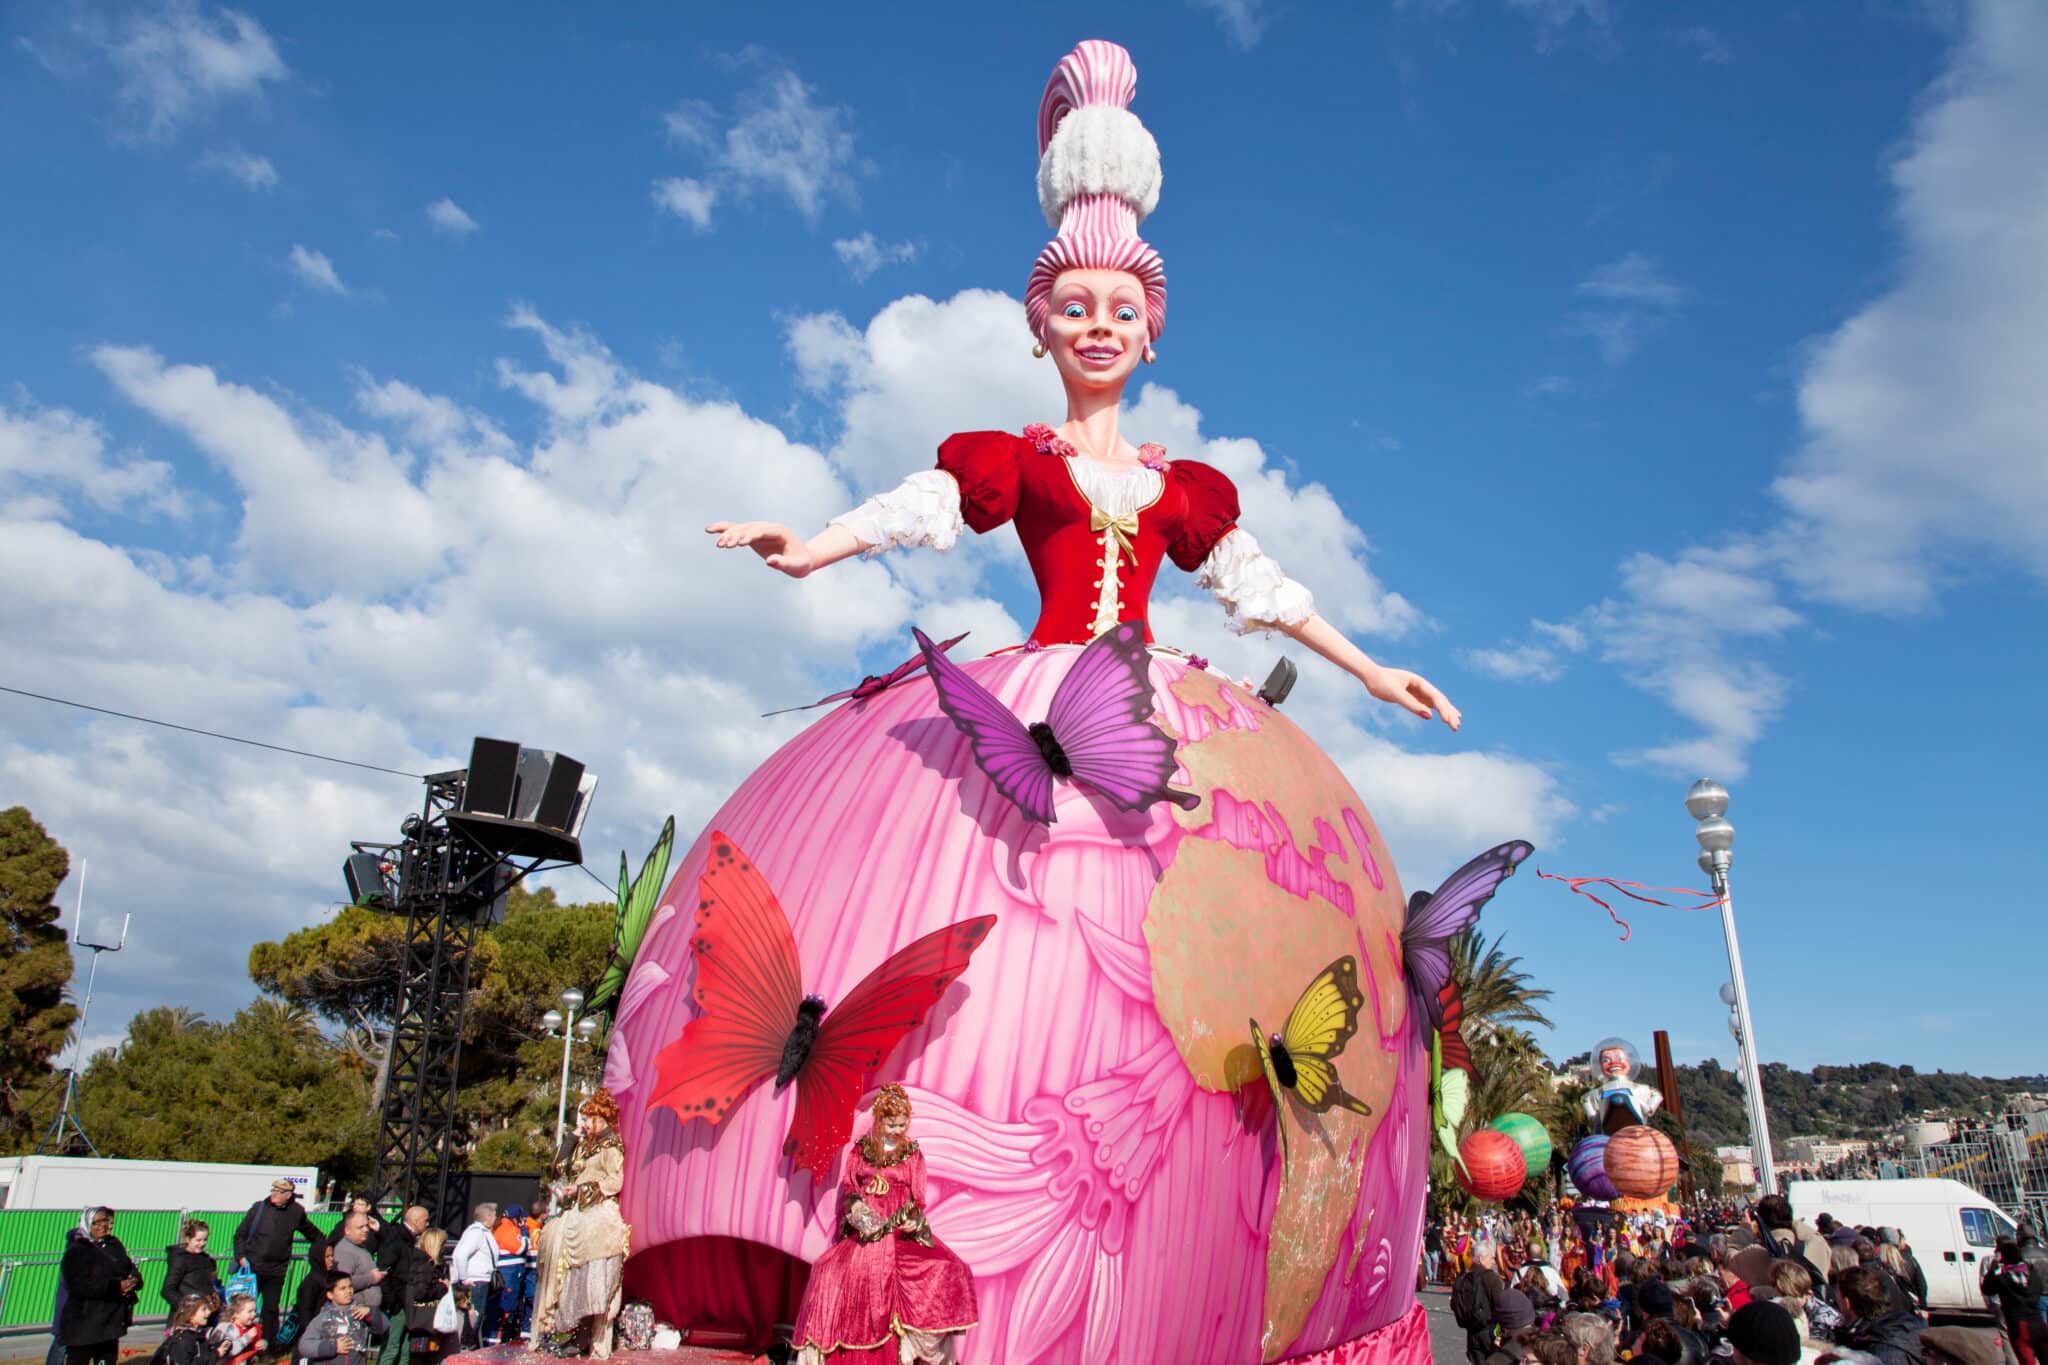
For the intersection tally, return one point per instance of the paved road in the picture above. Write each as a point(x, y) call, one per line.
point(1446, 1338)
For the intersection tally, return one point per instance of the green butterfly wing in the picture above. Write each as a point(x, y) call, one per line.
point(1450, 1096)
point(636, 908)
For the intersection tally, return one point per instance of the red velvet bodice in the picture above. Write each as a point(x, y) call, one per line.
point(1007, 478)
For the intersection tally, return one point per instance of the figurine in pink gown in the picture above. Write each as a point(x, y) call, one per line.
point(886, 1281)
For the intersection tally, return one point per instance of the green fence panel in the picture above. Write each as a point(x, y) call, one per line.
point(35, 1232)
point(32, 1247)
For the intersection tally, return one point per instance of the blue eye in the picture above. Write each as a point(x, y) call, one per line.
point(1127, 314)
point(1075, 310)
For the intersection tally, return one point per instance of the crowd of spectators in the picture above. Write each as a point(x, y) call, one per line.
point(1745, 1285)
point(373, 1292)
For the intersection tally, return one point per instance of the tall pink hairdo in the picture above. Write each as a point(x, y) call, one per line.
point(1098, 176)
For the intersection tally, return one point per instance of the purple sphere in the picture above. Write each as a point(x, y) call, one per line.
point(1588, 1166)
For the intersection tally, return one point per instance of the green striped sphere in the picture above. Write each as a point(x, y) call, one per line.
point(1532, 1137)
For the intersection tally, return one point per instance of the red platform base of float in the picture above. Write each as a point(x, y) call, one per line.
point(1401, 1343)
point(1398, 1343)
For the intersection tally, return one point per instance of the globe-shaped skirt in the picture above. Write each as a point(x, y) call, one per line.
point(1099, 1136)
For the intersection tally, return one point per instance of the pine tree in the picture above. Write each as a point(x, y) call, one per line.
point(35, 967)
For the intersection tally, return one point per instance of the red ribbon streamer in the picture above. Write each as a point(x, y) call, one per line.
point(1578, 886)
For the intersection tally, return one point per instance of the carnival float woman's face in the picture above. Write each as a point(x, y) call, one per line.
point(893, 1126)
point(1095, 330)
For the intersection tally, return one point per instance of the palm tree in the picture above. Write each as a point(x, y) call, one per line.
point(1497, 991)
point(1513, 1075)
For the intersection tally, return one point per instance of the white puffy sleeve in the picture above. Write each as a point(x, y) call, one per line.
point(1255, 594)
point(923, 511)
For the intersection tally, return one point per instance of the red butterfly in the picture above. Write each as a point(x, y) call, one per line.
point(1455, 1051)
point(754, 1020)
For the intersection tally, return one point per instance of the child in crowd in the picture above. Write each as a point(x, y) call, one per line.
point(238, 1337)
point(185, 1335)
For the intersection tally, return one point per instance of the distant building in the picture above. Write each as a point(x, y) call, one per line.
point(1738, 1166)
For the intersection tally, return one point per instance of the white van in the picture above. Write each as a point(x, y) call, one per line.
point(1951, 1227)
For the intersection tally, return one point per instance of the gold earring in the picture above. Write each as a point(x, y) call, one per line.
point(1151, 356)
point(1038, 351)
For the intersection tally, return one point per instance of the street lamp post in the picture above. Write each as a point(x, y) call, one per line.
point(571, 1030)
point(1707, 802)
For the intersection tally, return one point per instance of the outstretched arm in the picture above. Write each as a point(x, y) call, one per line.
point(1410, 691)
point(783, 549)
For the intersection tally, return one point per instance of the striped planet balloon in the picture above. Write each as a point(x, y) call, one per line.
point(1641, 1162)
point(1588, 1167)
point(1494, 1169)
point(1531, 1136)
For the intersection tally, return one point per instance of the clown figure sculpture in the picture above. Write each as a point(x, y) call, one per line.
point(1619, 1100)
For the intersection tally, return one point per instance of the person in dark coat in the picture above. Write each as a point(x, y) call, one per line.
point(263, 1243)
point(100, 1282)
point(1871, 1324)
point(185, 1340)
point(2013, 1289)
point(187, 1267)
point(313, 1289)
point(398, 1257)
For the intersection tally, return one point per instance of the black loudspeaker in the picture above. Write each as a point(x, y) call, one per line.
point(547, 788)
point(493, 777)
point(367, 884)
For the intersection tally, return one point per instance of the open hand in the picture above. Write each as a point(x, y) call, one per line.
point(1413, 693)
point(781, 548)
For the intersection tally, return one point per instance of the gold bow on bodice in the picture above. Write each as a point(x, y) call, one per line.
point(1123, 527)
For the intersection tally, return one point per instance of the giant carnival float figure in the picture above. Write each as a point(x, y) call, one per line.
point(1125, 937)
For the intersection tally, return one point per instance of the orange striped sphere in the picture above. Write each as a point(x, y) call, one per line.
point(1494, 1168)
point(1642, 1162)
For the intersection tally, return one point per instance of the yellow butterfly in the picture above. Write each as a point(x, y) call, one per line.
point(1300, 1059)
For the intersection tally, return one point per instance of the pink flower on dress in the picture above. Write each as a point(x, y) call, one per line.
point(1032, 646)
point(1197, 661)
point(1048, 441)
point(1153, 457)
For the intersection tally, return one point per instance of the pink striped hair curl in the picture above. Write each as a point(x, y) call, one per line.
point(1098, 176)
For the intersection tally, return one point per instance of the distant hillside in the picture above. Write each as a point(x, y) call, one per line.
point(1864, 1101)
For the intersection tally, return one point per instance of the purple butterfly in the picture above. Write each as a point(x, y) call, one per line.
point(1098, 730)
point(870, 685)
point(1455, 907)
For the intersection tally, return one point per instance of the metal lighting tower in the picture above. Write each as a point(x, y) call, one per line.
point(449, 876)
point(67, 1111)
point(1707, 803)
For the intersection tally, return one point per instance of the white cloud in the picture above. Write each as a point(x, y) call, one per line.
point(1557, 19)
point(1242, 21)
point(314, 270)
point(447, 218)
point(778, 139)
point(688, 199)
point(1634, 278)
point(863, 255)
point(175, 62)
point(1925, 416)
point(1712, 47)
point(1520, 663)
point(253, 171)
point(47, 453)
point(1636, 300)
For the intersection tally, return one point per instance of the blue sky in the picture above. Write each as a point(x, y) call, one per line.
point(1669, 394)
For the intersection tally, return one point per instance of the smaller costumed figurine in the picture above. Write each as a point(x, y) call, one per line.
point(886, 1279)
point(580, 1255)
point(1620, 1100)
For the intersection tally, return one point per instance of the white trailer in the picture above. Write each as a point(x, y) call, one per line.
point(72, 1182)
point(1952, 1228)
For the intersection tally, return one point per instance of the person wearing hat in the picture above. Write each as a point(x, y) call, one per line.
point(1763, 1334)
point(263, 1245)
point(1512, 1313)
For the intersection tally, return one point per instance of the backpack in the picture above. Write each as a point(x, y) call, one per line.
point(1466, 1309)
